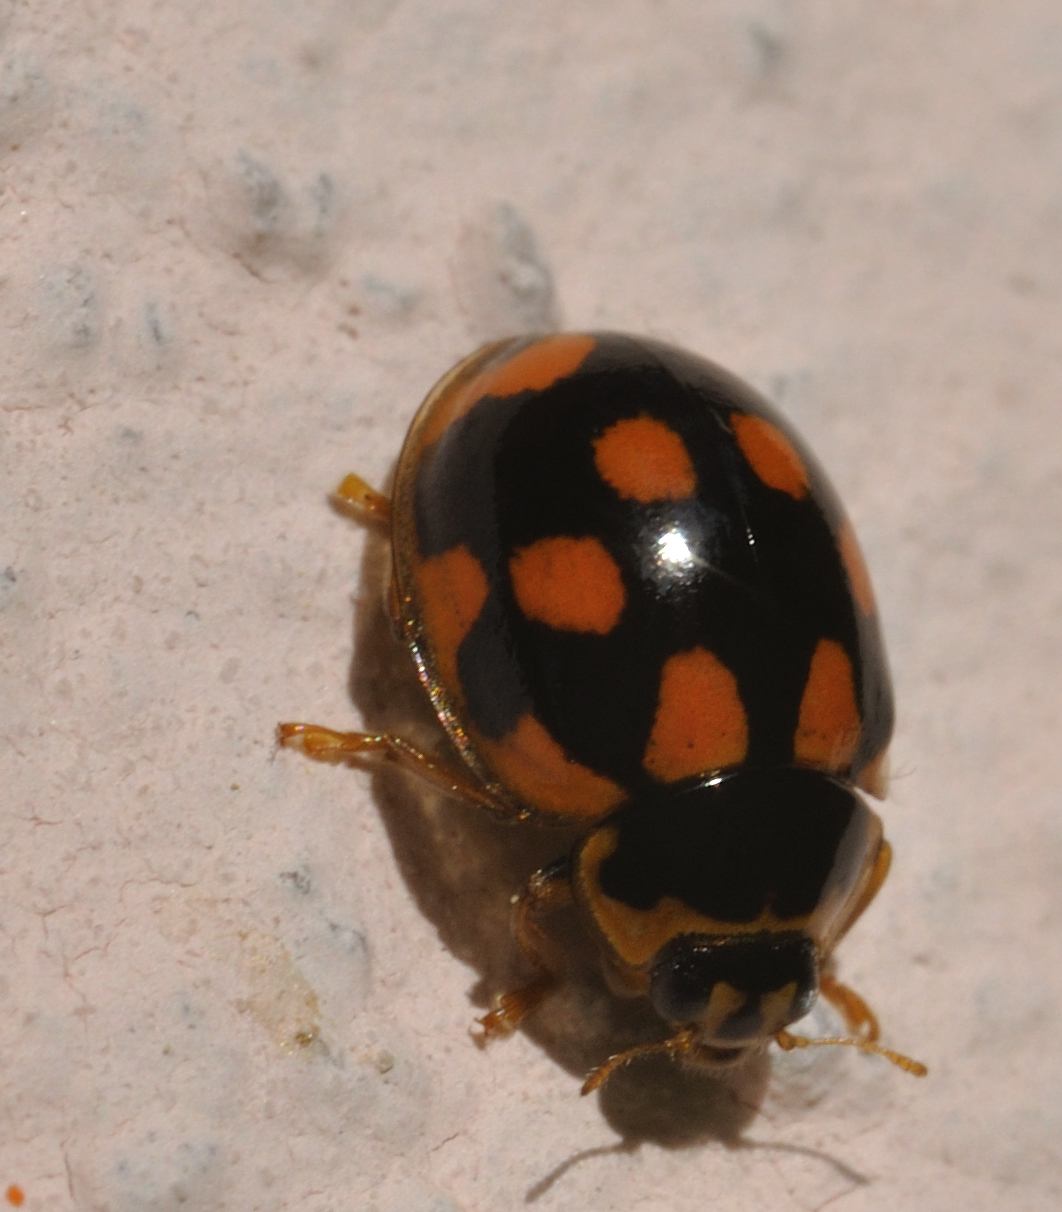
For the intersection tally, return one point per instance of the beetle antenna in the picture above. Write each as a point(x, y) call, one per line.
point(788, 1042)
point(678, 1045)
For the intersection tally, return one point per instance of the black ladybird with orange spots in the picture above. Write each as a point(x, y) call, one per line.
point(636, 604)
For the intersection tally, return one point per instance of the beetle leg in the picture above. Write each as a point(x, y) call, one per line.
point(327, 745)
point(548, 889)
point(355, 495)
point(858, 1016)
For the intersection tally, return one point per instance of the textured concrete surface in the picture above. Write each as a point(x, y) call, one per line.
point(239, 242)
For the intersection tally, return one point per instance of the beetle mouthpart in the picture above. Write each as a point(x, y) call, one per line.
point(788, 1042)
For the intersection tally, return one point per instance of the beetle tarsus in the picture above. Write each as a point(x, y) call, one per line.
point(360, 499)
point(510, 1009)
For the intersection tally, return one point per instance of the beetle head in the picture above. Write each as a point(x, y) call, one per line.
point(739, 989)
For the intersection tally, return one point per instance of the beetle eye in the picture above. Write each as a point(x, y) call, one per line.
point(682, 982)
point(737, 987)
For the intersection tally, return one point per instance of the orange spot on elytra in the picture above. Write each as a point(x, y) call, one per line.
point(644, 460)
point(569, 584)
point(828, 727)
point(539, 365)
point(15, 1196)
point(770, 454)
point(855, 567)
point(700, 722)
point(539, 773)
point(533, 367)
point(453, 588)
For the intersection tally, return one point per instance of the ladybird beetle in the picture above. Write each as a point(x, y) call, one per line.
point(637, 606)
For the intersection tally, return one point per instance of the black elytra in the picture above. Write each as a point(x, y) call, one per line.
point(759, 583)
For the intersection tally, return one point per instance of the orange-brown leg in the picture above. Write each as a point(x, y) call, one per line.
point(327, 745)
point(364, 502)
point(858, 1016)
point(548, 889)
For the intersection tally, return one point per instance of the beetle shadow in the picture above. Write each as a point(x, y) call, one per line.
point(462, 866)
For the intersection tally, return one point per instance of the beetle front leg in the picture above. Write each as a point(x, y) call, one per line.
point(858, 1016)
point(548, 889)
